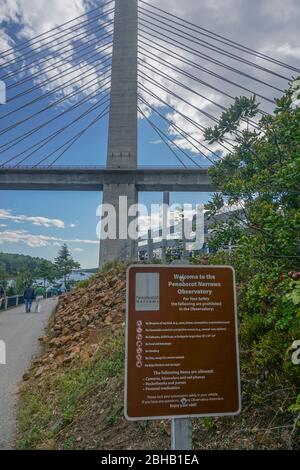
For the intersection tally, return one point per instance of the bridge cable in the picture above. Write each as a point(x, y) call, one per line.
point(81, 65)
point(48, 51)
point(180, 131)
point(190, 120)
point(212, 47)
point(55, 90)
point(59, 59)
point(161, 136)
point(171, 141)
point(228, 95)
point(182, 85)
point(54, 103)
point(218, 51)
point(15, 141)
point(50, 137)
point(167, 90)
point(29, 43)
point(185, 87)
point(213, 60)
point(220, 38)
point(78, 136)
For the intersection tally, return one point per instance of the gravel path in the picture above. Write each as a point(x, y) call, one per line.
point(20, 332)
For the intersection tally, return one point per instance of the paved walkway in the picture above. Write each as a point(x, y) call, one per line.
point(20, 332)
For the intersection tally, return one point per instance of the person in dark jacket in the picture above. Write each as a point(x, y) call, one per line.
point(2, 296)
point(28, 297)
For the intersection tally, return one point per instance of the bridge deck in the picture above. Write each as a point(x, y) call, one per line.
point(94, 179)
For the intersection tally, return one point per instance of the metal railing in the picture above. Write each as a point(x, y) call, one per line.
point(97, 167)
point(12, 302)
point(16, 300)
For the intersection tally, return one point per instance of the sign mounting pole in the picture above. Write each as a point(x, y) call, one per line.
point(181, 434)
point(181, 428)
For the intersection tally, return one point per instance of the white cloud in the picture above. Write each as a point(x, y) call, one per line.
point(72, 225)
point(78, 250)
point(6, 214)
point(38, 241)
point(35, 17)
point(269, 26)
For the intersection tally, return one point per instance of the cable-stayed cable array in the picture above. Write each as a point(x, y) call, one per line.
point(58, 87)
point(188, 75)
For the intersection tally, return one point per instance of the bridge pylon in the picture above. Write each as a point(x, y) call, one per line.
point(122, 138)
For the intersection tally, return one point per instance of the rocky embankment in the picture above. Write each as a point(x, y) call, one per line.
point(76, 329)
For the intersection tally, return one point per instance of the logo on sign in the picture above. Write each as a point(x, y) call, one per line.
point(147, 296)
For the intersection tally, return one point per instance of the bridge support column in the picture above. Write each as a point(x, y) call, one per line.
point(122, 139)
point(122, 247)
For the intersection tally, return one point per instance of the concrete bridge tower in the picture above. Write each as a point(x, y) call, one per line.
point(122, 139)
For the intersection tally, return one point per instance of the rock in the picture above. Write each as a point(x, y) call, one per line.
point(84, 321)
point(39, 372)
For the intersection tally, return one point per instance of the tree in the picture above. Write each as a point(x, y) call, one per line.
point(261, 178)
point(3, 276)
point(65, 263)
point(46, 271)
point(24, 279)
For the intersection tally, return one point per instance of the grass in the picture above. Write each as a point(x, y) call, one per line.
point(49, 407)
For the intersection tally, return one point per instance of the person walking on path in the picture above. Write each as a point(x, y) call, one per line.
point(28, 297)
point(2, 296)
point(39, 297)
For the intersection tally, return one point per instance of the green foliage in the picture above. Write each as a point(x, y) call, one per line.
point(22, 280)
point(260, 180)
point(242, 109)
point(86, 282)
point(12, 264)
point(42, 418)
point(296, 407)
point(64, 263)
point(47, 272)
point(24, 270)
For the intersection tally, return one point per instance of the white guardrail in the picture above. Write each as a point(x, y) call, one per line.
point(14, 301)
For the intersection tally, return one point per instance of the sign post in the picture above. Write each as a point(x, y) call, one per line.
point(182, 357)
point(181, 434)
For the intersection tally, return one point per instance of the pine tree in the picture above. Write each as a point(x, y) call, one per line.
point(65, 263)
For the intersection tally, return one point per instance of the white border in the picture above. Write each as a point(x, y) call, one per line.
point(159, 266)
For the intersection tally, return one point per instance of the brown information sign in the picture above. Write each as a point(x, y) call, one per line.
point(181, 342)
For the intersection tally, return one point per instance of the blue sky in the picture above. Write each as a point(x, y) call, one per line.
point(36, 223)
